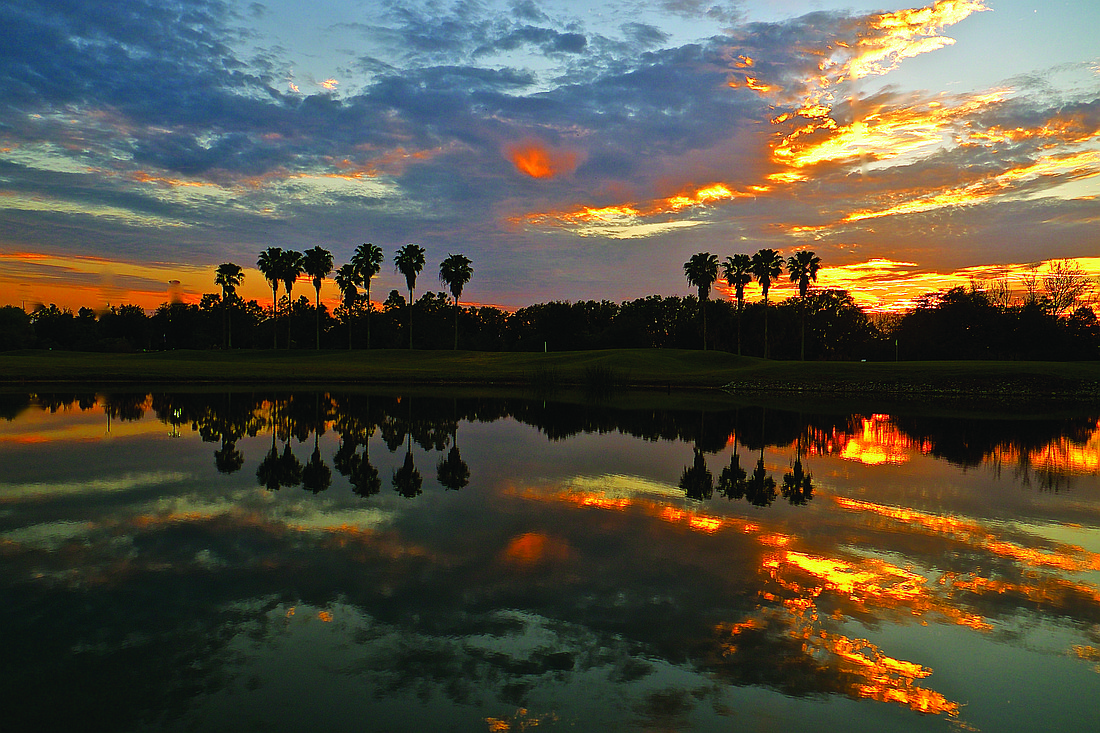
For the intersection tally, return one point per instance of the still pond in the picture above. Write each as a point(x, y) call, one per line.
point(283, 561)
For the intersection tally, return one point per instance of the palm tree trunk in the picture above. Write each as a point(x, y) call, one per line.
point(802, 353)
point(739, 328)
point(703, 307)
point(369, 309)
point(275, 317)
point(410, 319)
point(456, 324)
point(765, 325)
point(289, 310)
point(318, 314)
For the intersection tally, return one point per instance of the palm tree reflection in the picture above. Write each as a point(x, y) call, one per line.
point(798, 485)
point(278, 470)
point(696, 480)
point(452, 472)
point(228, 459)
point(316, 475)
point(760, 488)
point(731, 482)
point(407, 480)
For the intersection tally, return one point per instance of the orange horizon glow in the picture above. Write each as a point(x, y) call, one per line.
point(878, 285)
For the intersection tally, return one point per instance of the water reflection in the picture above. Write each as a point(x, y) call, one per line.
point(582, 566)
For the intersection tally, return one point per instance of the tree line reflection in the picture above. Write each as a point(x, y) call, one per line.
point(1044, 452)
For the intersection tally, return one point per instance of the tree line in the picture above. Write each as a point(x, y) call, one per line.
point(1053, 320)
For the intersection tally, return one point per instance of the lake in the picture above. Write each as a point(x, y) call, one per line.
point(417, 560)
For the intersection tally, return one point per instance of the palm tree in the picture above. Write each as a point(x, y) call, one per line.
point(409, 261)
point(317, 263)
point(701, 271)
point(367, 261)
point(767, 264)
point(348, 281)
point(270, 264)
point(802, 267)
point(228, 276)
point(738, 272)
point(454, 272)
point(291, 265)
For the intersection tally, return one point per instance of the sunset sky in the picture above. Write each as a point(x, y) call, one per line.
point(572, 150)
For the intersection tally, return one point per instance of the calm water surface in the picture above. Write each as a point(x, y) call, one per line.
point(378, 562)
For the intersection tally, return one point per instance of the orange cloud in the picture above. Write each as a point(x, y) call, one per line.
point(541, 161)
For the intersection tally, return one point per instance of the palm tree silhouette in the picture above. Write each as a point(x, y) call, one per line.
point(701, 271)
point(455, 272)
point(228, 276)
point(270, 264)
point(802, 267)
point(767, 264)
point(738, 272)
point(367, 262)
point(317, 263)
point(347, 281)
point(409, 261)
point(291, 265)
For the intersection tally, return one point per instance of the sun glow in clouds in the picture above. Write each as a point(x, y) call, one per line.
point(537, 160)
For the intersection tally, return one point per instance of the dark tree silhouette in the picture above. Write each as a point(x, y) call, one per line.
point(802, 268)
point(738, 272)
point(367, 262)
point(348, 282)
point(701, 271)
point(767, 265)
point(228, 277)
point(409, 261)
point(317, 263)
point(455, 272)
point(291, 265)
point(270, 265)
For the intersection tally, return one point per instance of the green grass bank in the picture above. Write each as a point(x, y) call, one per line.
point(606, 369)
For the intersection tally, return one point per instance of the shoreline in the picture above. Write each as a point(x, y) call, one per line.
point(603, 370)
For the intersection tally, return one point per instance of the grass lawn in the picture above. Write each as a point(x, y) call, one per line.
point(653, 368)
